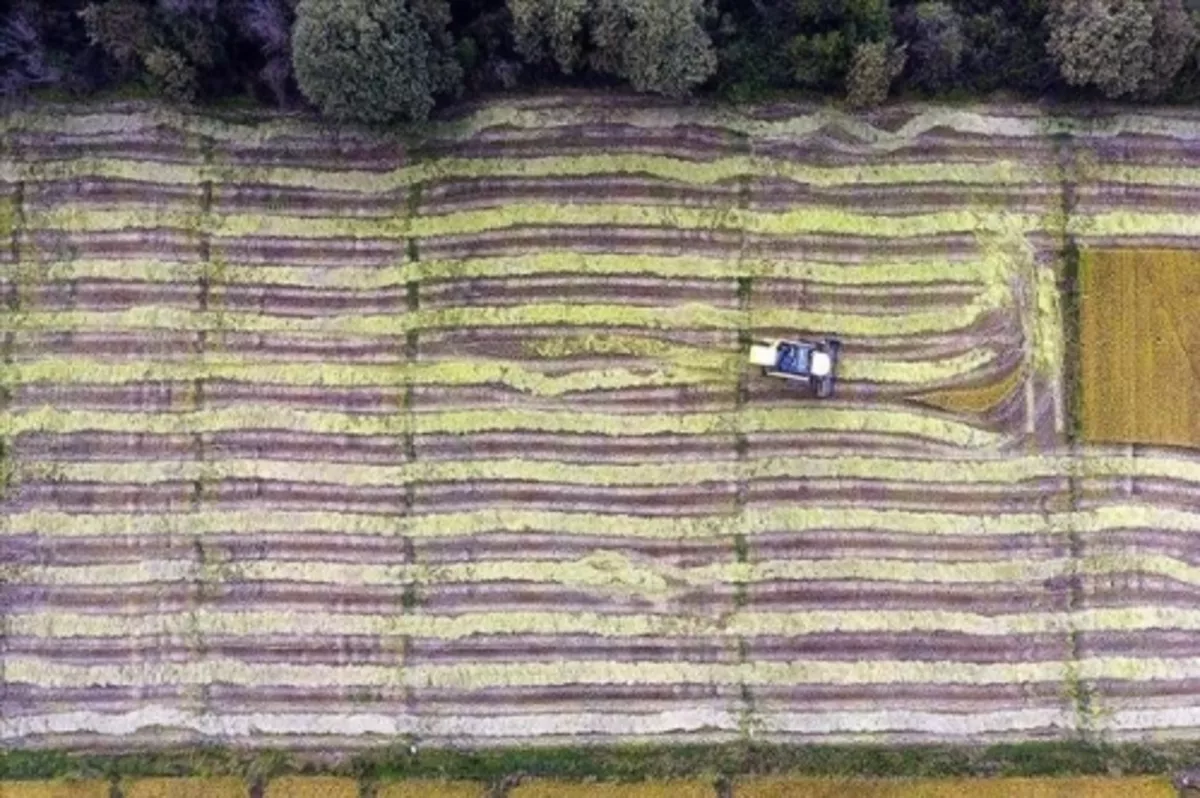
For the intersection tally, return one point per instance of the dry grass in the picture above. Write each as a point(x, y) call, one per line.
point(649, 789)
point(1140, 347)
point(1097, 787)
point(432, 789)
point(976, 399)
point(224, 787)
point(311, 787)
point(54, 789)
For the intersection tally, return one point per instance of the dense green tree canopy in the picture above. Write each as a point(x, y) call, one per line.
point(380, 61)
point(369, 60)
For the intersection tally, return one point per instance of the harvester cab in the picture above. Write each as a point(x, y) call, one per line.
point(800, 362)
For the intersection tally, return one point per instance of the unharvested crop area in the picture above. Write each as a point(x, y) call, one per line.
point(1141, 347)
point(316, 438)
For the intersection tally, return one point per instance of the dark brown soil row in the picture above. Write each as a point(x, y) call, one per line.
point(567, 447)
point(165, 145)
point(1136, 589)
point(277, 300)
point(297, 201)
point(617, 698)
point(686, 142)
point(1003, 498)
point(238, 700)
point(835, 544)
point(954, 698)
point(324, 546)
point(469, 597)
point(927, 148)
point(183, 397)
point(980, 599)
point(335, 650)
point(646, 291)
point(779, 194)
point(452, 195)
point(46, 195)
point(162, 244)
point(715, 498)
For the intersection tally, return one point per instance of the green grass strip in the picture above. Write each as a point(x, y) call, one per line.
point(625, 762)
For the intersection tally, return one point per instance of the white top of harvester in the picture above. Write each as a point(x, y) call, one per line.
point(822, 364)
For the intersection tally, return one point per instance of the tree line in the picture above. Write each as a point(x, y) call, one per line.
point(381, 61)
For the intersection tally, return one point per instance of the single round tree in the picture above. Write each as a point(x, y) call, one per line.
point(363, 60)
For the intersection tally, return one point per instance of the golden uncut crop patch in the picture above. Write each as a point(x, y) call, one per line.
point(55, 789)
point(956, 788)
point(311, 787)
point(222, 787)
point(648, 789)
point(1140, 347)
point(425, 788)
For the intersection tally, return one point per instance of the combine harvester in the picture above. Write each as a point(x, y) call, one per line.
point(799, 361)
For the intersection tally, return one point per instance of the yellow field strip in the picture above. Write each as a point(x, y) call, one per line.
point(806, 220)
point(43, 673)
point(609, 572)
point(962, 473)
point(691, 315)
point(909, 423)
point(749, 522)
point(1130, 223)
point(734, 623)
point(680, 366)
point(604, 571)
point(1073, 787)
point(649, 789)
point(911, 274)
point(664, 167)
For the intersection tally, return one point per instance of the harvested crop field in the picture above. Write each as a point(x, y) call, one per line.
point(316, 439)
point(1140, 347)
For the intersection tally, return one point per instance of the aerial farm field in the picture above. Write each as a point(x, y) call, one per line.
point(318, 438)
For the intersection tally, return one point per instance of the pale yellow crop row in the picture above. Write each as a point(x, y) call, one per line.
point(1130, 223)
point(679, 366)
point(691, 315)
point(611, 572)
point(206, 621)
point(958, 474)
point(750, 522)
point(517, 375)
point(736, 623)
point(911, 423)
point(911, 273)
point(817, 219)
point(605, 571)
point(43, 673)
point(663, 167)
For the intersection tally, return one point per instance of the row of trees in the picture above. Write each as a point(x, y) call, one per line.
point(388, 60)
